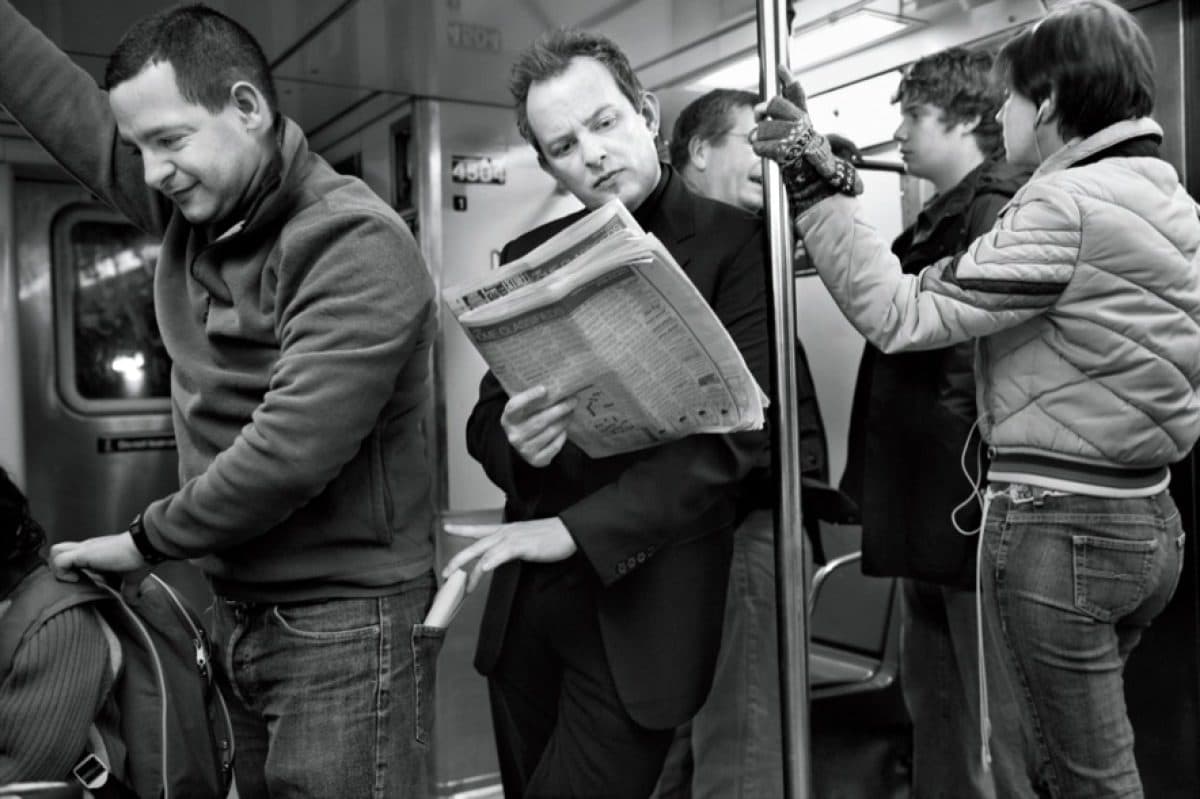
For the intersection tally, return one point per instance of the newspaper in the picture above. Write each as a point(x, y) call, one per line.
point(447, 601)
point(602, 311)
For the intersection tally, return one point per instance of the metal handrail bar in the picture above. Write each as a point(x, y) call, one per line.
point(824, 573)
point(789, 555)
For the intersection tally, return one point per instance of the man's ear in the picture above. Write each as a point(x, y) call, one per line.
point(541, 157)
point(251, 106)
point(970, 124)
point(698, 153)
point(650, 112)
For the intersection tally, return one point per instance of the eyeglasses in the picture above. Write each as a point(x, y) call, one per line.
point(742, 134)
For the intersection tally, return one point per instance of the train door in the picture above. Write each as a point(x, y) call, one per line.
point(94, 384)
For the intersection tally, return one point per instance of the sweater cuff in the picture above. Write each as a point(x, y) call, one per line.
point(151, 523)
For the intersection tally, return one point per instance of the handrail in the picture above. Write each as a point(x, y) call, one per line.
point(824, 573)
point(789, 556)
point(879, 165)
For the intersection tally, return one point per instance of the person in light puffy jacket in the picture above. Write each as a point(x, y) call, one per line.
point(913, 414)
point(1085, 303)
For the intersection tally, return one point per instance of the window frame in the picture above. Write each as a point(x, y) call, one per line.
point(65, 282)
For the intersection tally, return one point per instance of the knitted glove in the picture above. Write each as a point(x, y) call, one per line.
point(785, 134)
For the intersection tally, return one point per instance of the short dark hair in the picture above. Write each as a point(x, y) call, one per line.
point(20, 536)
point(551, 54)
point(208, 50)
point(961, 84)
point(1095, 60)
point(708, 117)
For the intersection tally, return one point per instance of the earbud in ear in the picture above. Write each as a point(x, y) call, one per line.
point(1037, 119)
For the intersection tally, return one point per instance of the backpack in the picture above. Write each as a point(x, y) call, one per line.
point(174, 724)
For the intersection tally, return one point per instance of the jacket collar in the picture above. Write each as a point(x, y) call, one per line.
point(1078, 149)
point(673, 218)
point(286, 170)
point(993, 175)
point(291, 167)
point(956, 200)
point(669, 212)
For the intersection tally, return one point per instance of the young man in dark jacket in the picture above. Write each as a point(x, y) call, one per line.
point(913, 415)
point(298, 316)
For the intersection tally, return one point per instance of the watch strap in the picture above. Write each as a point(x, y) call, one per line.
point(137, 531)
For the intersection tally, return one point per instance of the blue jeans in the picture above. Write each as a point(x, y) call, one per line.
point(737, 735)
point(732, 748)
point(331, 698)
point(1069, 585)
point(939, 677)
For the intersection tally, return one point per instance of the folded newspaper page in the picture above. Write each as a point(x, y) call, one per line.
point(602, 311)
point(447, 601)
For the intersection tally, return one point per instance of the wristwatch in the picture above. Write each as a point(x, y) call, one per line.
point(137, 531)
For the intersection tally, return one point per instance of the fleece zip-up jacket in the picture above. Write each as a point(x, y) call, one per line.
point(299, 340)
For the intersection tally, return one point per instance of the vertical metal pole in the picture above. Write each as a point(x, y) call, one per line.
point(790, 588)
point(12, 425)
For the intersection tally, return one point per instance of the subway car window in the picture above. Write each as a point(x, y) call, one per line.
point(112, 355)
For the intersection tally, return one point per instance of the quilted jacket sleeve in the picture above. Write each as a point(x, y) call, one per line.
point(1009, 275)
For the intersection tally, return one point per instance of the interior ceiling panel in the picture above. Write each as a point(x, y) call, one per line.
point(328, 54)
point(90, 29)
point(95, 26)
point(315, 105)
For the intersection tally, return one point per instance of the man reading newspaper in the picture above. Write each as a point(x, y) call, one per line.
point(604, 615)
point(603, 313)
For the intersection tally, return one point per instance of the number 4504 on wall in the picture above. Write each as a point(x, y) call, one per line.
point(476, 169)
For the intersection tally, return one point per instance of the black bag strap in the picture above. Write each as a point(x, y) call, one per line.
point(93, 774)
point(94, 770)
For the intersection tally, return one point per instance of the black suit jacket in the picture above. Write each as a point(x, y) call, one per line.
point(654, 525)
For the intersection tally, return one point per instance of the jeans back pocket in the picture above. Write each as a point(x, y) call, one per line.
point(426, 644)
point(1111, 575)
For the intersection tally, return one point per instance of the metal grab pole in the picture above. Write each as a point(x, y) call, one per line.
point(790, 589)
